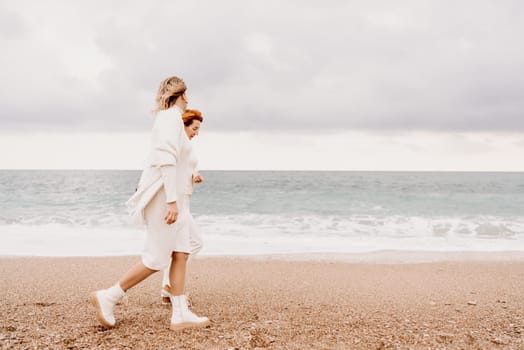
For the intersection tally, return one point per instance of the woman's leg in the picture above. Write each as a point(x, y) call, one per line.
point(155, 257)
point(181, 248)
point(177, 273)
point(164, 291)
point(135, 275)
point(165, 276)
point(181, 317)
point(104, 300)
point(195, 245)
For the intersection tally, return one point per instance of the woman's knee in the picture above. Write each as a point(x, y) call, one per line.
point(180, 256)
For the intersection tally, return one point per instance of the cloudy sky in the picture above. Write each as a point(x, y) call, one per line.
point(334, 85)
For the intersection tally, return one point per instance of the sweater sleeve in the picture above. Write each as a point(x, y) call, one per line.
point(169, 179)
point(165, 151)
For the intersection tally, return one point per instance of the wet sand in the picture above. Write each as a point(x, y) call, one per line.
point(271, 303)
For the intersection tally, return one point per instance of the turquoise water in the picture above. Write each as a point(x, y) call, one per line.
point(319, 211)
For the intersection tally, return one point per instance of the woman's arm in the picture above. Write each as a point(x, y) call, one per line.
point(166, 140)
point(197, 178)
point(166, 145)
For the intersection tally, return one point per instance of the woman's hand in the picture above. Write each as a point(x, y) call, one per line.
point(198, 178)
point(171, 213)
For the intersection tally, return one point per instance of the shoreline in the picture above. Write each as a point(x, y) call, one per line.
point(373, 257)
point(383, 257)
point(270, 303)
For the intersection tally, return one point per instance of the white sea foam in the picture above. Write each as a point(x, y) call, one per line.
point(365, 226)
point(272, 234)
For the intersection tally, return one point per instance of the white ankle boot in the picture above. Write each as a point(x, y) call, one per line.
point(104, 301)
point(164, 294)
point(183, 318)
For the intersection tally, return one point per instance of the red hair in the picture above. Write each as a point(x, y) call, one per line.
point(190, 115)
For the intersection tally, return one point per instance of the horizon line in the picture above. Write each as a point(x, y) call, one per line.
point(277, 170)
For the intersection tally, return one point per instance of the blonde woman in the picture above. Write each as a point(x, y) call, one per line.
point(189, 231)
point(159, 203)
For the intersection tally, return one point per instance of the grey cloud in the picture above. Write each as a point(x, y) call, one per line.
point(434, 65)
point(11, 24)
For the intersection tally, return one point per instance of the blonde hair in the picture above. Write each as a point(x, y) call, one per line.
point(190, 115)
point(168, 93)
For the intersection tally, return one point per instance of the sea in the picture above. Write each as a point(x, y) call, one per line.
point(82, 212)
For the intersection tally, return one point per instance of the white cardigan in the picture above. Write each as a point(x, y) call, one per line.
point(171, 164)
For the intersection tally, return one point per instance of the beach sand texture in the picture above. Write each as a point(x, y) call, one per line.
point(257, 303)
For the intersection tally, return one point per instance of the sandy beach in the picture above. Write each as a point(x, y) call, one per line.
point(271, 303)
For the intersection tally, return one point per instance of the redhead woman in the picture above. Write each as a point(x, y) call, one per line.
point(189, 231)
point(160, 204)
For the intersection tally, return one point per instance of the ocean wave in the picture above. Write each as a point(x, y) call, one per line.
point(72, 219)
point(364, 225)
point(269, 234)
point(309, 225)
